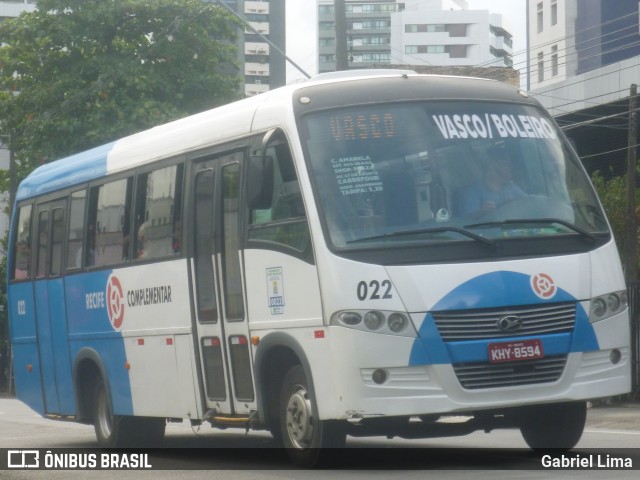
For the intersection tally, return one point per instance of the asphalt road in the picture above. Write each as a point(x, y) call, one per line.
point(210, 453)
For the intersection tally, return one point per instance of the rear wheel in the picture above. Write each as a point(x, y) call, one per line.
point(117, 431)
point(558, 425)
point(304, 435)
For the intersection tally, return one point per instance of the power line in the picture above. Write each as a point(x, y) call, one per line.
point(599, 119)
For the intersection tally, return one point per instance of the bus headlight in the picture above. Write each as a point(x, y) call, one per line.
point(375, 321)
point(608, 305)
point(397, 322)
point(349, 319)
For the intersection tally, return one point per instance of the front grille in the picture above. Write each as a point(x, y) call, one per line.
point(486, 375)
point(483, 323)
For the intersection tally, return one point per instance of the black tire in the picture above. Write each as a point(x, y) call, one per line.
point(305, 437)
point(117, 431)
point(553, 426)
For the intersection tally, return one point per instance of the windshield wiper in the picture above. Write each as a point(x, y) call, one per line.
point(417, 231)
point(538, 221)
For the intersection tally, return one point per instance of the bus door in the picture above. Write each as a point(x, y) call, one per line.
point(223, 335)
point(50, 308)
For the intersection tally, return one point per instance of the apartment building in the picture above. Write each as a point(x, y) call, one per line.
point(573, 37)
point(414, 32)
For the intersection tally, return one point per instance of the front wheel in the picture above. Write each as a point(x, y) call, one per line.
point(304, 435)
point(558, 425)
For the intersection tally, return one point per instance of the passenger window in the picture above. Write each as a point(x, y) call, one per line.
point(158, 227)
point(109, 221)
point(76, 229)
point(43, 243)
point(285, 221)
point(57, 238)
point(22, 255)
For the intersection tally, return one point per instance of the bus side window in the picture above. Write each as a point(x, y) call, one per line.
point(109, 212)
point(57, 241)
point(285, 221)
point(43, 243)
point(22, 253)
point(158, 217)
point(75, 236)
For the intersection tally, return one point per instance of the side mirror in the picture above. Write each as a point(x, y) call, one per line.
point(260, 182)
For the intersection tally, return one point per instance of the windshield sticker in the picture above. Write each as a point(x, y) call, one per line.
point(275, 290)
point(356, 175)
point(493, 125)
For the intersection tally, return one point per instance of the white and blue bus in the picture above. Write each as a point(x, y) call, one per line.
point(343, 257)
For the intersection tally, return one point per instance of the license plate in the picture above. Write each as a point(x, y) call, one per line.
point(515, 351)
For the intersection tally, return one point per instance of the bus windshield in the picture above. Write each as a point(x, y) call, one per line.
point(391, 174)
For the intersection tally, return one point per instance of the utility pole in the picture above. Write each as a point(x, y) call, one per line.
point(631, 237)
point(342, 59)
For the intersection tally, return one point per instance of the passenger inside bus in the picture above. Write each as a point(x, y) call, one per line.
point(497, 187)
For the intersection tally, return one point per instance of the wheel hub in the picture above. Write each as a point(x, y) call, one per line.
point(300, 418)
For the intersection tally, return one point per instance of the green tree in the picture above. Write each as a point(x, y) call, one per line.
point(613, 195)
point(75, 74)
point(78, 73)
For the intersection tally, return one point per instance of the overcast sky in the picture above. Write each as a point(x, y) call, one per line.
point(302, 30)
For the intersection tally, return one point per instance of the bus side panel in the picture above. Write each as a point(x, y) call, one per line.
point(156, 327)
point(91, 328)
point(26, 360)
point(45, 345)
point(60, 341)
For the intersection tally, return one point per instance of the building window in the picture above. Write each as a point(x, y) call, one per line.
point(554, 12)
point(424, 49)
point(383, 58)
point(554, 61)
point(329, 58)
point(540, 18)
point(426, 28)
point(327, 25)
point(540, 67)
point(457, 51)
point(457, 29)
point(326, 9)
point(371, 25)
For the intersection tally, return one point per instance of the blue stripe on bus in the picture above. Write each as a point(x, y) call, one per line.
point(57, 175)
point(26, 359)
point(91, 328)
point(492, 290)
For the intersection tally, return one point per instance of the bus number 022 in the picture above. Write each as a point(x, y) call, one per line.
point(374, 290)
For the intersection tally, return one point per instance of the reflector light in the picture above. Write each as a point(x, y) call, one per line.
point(211, 342)
point(141, 341)
point(169, 341)
point(318, 334)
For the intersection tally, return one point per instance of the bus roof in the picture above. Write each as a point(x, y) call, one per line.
point(252, 114)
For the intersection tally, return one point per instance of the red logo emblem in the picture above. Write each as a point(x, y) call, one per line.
point(543, 286)
point(115, 302)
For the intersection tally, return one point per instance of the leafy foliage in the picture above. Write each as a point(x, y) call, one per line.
point(613, 195)
point(90, 71)
point(75, 74)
